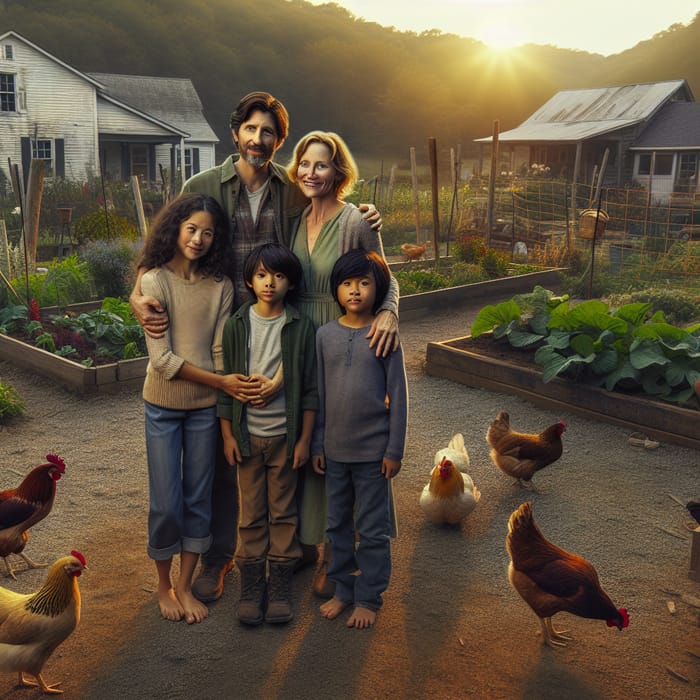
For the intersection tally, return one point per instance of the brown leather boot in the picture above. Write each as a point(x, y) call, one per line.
point(250, 605)
point(209, 584)
point(279, 593)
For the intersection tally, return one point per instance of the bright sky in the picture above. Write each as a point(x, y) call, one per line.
point(597, 26)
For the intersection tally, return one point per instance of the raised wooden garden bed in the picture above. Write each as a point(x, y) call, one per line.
point(416, 305)
point(455, 359)
point(88, 380)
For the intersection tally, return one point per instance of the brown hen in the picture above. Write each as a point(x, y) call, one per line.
point(551, 580)
point(520, 455)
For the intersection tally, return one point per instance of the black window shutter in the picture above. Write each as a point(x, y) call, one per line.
point(60, 158)
point(195, 161)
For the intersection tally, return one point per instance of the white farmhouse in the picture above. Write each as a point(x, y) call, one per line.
point(88, 124)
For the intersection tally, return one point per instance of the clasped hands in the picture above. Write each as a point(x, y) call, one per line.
point(255, 389)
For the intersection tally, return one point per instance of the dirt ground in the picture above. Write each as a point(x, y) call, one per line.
point(452, 627)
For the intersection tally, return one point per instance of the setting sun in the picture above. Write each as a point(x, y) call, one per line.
point(497, 36)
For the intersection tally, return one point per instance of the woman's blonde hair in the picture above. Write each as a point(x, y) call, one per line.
point(347, 173)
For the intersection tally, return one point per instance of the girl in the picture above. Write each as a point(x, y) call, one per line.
point(186, 254)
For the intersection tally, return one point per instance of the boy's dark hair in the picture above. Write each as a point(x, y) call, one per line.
point(359, 262)
point(165, 229)
point(274, 257)
point(264, 102)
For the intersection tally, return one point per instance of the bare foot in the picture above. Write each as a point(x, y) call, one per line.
point(362, 618)
point(170, 607)
point(333, 607)
point(193, 610)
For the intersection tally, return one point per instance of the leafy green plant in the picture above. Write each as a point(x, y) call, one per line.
point(109, 333)
point(66, 281)
point(631, 347)
point(11, 403)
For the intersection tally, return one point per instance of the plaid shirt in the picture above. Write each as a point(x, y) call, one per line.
point(247, 234)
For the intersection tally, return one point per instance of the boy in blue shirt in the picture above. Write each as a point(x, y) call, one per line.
point(359, 438)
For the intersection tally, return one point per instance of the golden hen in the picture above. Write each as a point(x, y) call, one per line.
point(520, 455)
point(32, 625)
point(450, 495)
point(413, 251)
point(552, 580)
point(25, 506)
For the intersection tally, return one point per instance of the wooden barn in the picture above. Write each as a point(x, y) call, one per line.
point(651, 132)
point(88, 124)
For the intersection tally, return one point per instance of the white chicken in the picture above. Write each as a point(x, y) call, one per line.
point(450, 495)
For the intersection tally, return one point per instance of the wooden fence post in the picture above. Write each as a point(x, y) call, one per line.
point(416, 203)
point(35, 191)
point(138, 202)
point(432, 151)
point(492, 184)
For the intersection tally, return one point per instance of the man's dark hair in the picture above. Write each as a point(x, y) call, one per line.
point(264, 102)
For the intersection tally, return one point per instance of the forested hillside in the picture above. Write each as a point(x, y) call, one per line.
point(382, 89)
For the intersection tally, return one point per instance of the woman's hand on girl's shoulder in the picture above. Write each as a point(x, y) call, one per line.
point(371, 214)
point(384, 333)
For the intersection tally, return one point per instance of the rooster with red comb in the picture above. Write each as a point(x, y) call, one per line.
point(26, 505)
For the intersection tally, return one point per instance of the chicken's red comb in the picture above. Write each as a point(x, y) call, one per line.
point(75, 553)
point(625, 619)
point(55, 459)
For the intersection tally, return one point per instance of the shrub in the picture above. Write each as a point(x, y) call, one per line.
point(99, 225)
point(495, 263)
point(10, 402)
point(111, 264)
point(469, 249)
point(677, 305)
point(416, 281)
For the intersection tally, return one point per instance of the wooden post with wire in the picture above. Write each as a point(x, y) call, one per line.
point(414, 181)
point(432, 152)
point(138, 202)
point(492, 183)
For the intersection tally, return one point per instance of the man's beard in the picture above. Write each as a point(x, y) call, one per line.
point(257, 160)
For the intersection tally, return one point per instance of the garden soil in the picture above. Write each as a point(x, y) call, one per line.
point(452, 627)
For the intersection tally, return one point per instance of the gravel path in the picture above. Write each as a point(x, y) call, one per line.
point(452, 627)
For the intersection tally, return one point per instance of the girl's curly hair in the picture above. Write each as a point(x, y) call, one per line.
point(162, 240)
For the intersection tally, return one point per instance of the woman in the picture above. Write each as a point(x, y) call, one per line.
point(325, 171)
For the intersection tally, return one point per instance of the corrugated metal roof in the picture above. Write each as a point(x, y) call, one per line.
point(172, 100)
point(676, 126)
point(576, 115)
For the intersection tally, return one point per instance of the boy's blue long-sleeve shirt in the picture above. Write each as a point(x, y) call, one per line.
point(300, 375)
point(354, 424)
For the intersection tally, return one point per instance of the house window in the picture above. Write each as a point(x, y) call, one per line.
point(8, 95)
point(188, 162)
point(42, 149)
point(687, 172)
point(7, 52)
point(663, 164)
point(139, 162)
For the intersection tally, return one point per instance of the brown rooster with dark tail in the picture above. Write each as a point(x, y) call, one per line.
point(25, 506)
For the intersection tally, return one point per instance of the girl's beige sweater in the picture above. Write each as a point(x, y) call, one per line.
point(197, 311)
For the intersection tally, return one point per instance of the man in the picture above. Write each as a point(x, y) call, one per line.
point(261, 205)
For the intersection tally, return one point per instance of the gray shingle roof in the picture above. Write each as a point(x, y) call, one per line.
point(676, 126)
point(172, 100)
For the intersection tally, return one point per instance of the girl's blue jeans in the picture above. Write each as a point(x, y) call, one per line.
point(181, 451)
point(358, 489)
